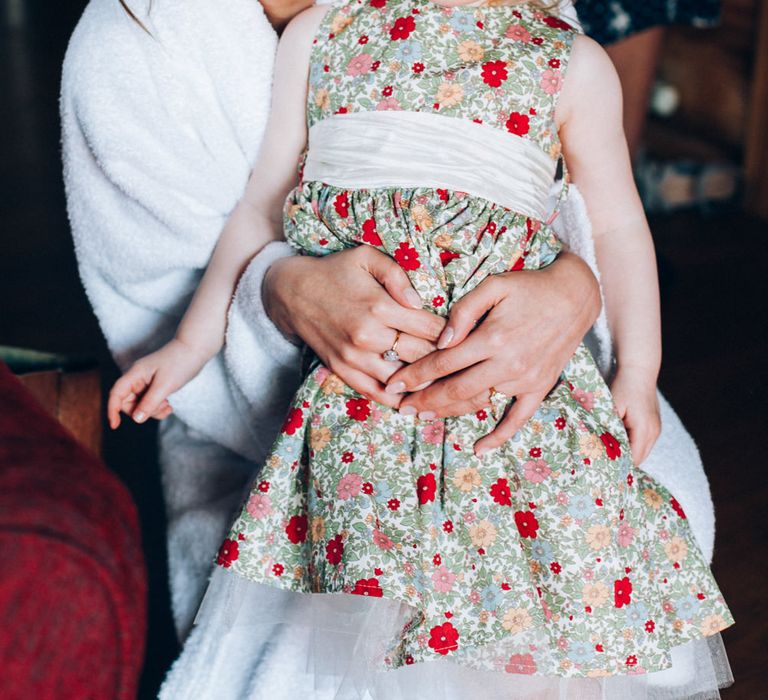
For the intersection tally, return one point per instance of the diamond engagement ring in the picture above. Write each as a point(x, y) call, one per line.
point(391, 354)
point(498, 401)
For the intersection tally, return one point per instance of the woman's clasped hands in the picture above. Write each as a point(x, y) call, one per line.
point(514, 333)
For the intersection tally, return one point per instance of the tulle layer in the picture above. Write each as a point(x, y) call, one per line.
point(340, 643)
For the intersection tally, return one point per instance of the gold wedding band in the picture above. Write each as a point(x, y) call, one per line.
point(391, 354)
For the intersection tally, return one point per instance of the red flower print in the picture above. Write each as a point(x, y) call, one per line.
point(443, 194)
point(348, 458)
point(341, 205)
point(535, 452)
point(438, 301)
point(368, 488)
point(369, 232)
point(557, 23)
point(537, 40)
point(294, 421)
point(650, 625)
point(407, 257)
point(368, 586)
point(263, 486)
point(296, 529)
point(378, 3)
point(426, 487)
point(526, 524)
point(334, 549)
point(446, 256)
point(677, 508)
point(228, 552)
point(387, 91)
point(393, 504)
point(375, 66)
point(358, 409)
point(278, 569)
point(612, 447)
point(418, 67)
point(622, 592)
point(494, 73)
point(363, 40)
point(448, 526)
point(555, 567)
point(501, 493)
point(631, 660)
point(521, 663)
point(409, 660)
point(402, 28)
point(554, 63)
point(437, 560)
point(481, 415)
point(518, 124)
point(560, 423)
point(444, 638)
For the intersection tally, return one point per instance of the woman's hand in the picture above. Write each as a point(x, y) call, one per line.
point(634, 393)
point(143, 391)
point(535, 320)
point(348, 307)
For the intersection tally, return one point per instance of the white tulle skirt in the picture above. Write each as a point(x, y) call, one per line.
point(336, 643)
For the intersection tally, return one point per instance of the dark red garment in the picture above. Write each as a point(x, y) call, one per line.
point(72, 576)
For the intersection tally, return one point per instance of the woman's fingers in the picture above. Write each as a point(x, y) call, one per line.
point(393, 278)
point(466, 312)
point(518, 414)
point(364, 384)
point(410, 348)
point(440, 364)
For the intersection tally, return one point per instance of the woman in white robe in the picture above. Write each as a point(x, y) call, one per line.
point(160, 126)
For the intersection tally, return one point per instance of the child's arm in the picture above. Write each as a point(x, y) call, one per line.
point(589, 117)
point(143, 390)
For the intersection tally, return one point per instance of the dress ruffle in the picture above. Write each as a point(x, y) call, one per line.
point(349, 634)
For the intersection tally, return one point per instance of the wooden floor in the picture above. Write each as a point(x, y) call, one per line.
point(715, 286)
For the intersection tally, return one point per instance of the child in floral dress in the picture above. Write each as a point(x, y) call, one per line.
point(552, 564)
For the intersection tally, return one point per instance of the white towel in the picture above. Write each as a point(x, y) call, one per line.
point(159, 134)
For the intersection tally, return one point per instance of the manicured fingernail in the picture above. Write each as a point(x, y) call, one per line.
point(445, 337)
point(408, 411)
point(413, 298)
point(427, 415)
point(139, 416)
point(422, 386)
point(395, 388)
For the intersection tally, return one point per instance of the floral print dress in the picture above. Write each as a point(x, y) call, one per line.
point(551, 555)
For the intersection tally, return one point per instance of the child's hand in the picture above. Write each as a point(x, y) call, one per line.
point(143, 391)
point(635, 397)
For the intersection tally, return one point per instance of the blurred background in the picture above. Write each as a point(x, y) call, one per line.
point(701, 168)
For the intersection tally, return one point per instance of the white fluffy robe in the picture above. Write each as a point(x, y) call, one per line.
point(159, 134)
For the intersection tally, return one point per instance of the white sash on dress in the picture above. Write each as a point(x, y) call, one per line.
point(366, 150)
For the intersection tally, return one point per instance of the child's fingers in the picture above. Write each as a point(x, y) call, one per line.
point(123, 393)
point(163, 412)
point(643, 438)
point(153, 398)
